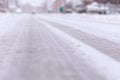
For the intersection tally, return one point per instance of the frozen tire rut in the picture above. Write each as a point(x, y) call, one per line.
point(108, 47)
point(32, 52)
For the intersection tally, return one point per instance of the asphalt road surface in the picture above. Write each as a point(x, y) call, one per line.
point(31, 51)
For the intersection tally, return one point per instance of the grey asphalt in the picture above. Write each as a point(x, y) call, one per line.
point(31, 51)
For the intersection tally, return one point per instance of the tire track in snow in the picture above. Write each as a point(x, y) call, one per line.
point(108, 47)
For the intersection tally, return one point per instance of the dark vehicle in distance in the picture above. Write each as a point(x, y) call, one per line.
point(80, 9)
point(68, 8)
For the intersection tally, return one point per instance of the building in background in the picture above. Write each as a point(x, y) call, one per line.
point(109, 1)
point(27, 8)
point(13, 5)
point(72, 3)
point(3, 5)
point(39, 9)
point(58, 3)
point(47, 6)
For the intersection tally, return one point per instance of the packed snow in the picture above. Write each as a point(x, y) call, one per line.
point(104, 26)
point(102, 63)
point(7, 22)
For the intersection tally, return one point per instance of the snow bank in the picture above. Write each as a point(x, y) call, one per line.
point(8, 22)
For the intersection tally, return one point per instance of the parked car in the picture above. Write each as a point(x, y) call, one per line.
point(68, 8)
point(119, 10)
point(96, 8)
point(80, 8)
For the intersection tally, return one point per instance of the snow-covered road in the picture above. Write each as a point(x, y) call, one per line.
point(102, 33)
point(34, 49)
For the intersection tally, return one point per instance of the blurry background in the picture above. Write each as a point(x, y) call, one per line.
point(60, 6)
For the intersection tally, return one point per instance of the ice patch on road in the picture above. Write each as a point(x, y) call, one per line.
point(102, 63)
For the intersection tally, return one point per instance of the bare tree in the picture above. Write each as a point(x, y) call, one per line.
point(109, 1)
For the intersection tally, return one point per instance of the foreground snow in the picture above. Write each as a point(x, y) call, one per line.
point(8, 22)
point(101, 63)
point(29, 45)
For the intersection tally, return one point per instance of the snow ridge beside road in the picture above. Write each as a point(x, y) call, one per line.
point(8, 22)
point(101, 62)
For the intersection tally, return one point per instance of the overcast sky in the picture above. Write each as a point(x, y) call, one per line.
point(33, 2)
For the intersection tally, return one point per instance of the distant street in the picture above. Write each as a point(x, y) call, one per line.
point(34, 50)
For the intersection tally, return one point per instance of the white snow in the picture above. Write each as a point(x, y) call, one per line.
point(98, 25)
point(104, 26)
point(94, 7)
point(5, 22)
point(8, 22)
point(102, 63)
